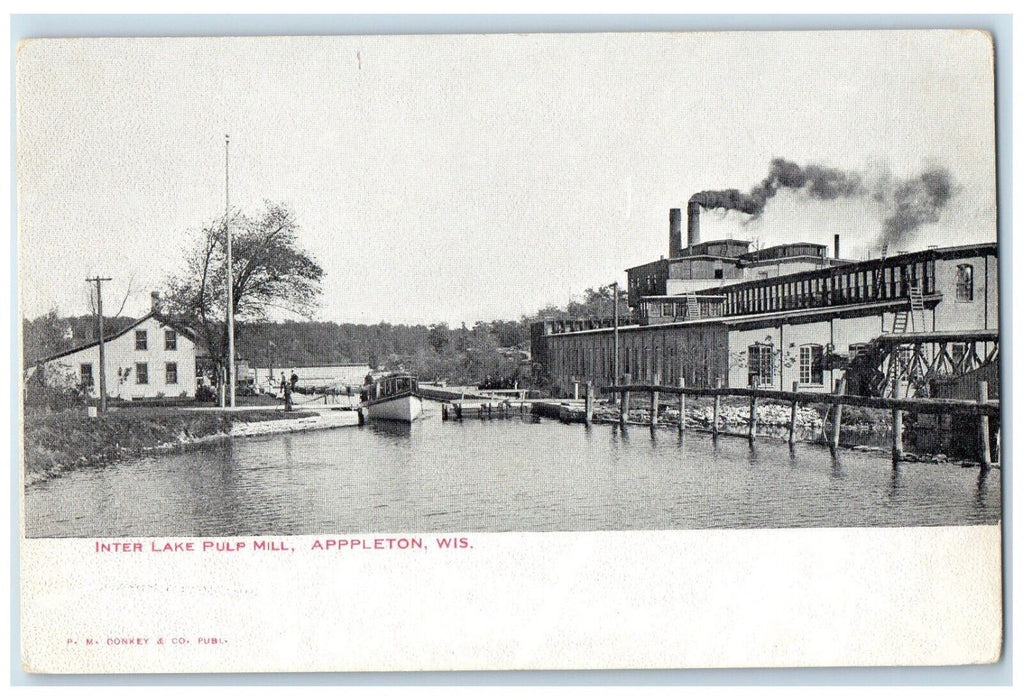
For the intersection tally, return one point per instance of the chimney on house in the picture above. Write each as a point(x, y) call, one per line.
point(674, 233)
point(836, 246)
point(155, 301)
point(694, 224)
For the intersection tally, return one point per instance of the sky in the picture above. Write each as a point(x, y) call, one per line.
point(479, 177)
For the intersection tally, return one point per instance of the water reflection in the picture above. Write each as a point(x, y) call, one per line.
point(494, 476)
point(836, 466)
point(390, 429)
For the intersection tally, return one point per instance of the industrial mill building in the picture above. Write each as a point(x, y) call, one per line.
point(717, 313)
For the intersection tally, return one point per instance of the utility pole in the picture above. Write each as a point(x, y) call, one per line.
point(230, 272)
point(102, 349)
point(615, 285)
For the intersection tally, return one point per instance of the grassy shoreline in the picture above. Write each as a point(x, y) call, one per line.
point(56, 443)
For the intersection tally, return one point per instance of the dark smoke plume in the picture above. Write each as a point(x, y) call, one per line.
point(916, 202)
point(908, 204)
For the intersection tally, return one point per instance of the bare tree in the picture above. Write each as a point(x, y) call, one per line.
point(270, 270)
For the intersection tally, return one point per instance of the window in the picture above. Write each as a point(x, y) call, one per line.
point(811, 364)
point(964, 283)
point(666, 309)
point(958, 354)
point(761, 364)
point(172, 373)
point(170, 340)
point(87, 374)
point(141, 373)
point(141, 342)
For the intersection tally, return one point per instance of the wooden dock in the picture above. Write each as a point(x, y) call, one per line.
point(983, 408)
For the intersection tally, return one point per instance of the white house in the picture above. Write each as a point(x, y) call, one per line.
point(152, 358)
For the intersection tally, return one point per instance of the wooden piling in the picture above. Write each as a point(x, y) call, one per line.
point(985, 434)
point(681, 406)
point(443, 411)
point(655, 399)
point(589, 403)
point(717, 412)
point(752, 418)
point(624, 415)
point(793, 414)
point(836, 416)
point(896, 423)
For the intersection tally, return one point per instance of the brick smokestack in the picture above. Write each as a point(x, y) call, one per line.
point(694, 223)
point(836, 247)
point(675, 233)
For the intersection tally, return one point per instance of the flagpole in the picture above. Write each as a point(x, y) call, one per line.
point(230, 271)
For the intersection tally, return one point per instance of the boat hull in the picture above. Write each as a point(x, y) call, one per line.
point(406, 409)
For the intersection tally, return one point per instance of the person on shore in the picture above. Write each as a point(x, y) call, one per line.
point(286, 390)
point(294, 380)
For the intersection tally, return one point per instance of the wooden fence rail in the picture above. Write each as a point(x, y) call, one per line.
point(983, 408)
point(961, 406)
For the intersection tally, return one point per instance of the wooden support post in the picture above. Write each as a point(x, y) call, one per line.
point(458, 411)
point(655, 399)
point(589, 403)
point(836, 416)
point(752, 418)
point(792, 416)
point(681, 406)
point(896, 424)
point(443, 411)
point(985, 434)
point(624, 415)
point(575, 390)
point(717, 412)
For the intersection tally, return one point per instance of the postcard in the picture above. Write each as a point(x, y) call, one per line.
point(491, 352)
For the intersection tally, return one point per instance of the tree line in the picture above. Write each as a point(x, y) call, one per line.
point(271, 271)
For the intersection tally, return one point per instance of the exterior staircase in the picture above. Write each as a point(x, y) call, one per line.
point(692, 308)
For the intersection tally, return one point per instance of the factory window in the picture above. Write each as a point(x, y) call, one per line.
point(964, 283)
point(958, 354)
point(170, 340)
point(761, 364)
point(141, 341)
point(141, 373)
point(667, 309)
point(811, 364)
point(172, 373)
point(87, 380)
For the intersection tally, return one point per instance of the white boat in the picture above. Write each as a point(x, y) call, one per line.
point(395, 397)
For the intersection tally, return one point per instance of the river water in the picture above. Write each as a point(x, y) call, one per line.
point(501, 475)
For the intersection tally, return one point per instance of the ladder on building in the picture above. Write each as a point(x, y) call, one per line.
point(692, 308)
point(916, 307)
point(914, 313)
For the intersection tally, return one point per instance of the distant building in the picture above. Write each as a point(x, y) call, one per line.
point(342, 374)
point(718, 313)
point(153, 357)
